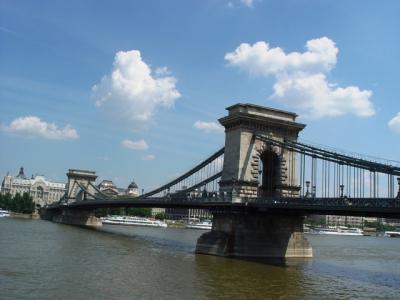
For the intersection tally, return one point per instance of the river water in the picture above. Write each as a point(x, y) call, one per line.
point(44, 260)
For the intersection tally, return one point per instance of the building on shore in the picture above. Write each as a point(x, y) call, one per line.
point(42, 190)
point(109, 188)
point(349, 221)
point(392, 222)
point(133, 189)
point(189, 213)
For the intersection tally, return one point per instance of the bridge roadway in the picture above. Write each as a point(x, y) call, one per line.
point(367, 207)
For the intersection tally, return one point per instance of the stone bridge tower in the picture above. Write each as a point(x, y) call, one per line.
point(252, 167)
point(78, 179)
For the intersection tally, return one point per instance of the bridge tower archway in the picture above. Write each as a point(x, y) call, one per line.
point(80, 184)
point(249, 160)
point(268, 174)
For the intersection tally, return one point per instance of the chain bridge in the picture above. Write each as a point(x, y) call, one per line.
point(258, 187)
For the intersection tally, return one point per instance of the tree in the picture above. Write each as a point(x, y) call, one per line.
point(28, 206)
point(16, 203)
point(140, 212)
point(161, 216)
point(6, 201)
point(379, 226)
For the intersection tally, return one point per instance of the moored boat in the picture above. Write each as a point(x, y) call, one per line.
point(205, 225)
point(133, 220)
point(4, 213)
point(337, 231)
point(395, 234)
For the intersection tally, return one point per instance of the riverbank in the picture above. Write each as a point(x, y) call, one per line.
point(33, 216)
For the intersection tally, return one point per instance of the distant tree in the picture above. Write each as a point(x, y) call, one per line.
point(19, 204)
point(140, 212)
point(28, 206)
point(379, 226)
point(161, 216)
point(6, 199)
point(101, 212)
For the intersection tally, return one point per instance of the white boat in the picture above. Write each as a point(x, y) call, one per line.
point(395, 234)
point(205, 225)
point(4, 213)
point(337, 231)
point(132, 220)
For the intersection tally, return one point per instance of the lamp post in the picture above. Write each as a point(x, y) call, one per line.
point(398, 193)
point(341, 190)
point(313, 191)
point(308, 188)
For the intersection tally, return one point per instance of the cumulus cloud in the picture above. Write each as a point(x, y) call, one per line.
point(135, 145)
point(248, 3)
point(32, 126)
point(148, 157)
point(317, 98)
point(394, 123)
point(132, 93)
point(300, 78)
point(237, 3)
point(208, 127)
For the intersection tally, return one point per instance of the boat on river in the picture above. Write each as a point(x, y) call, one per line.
point(4, 213)
point(204, 225)
point(341, 230)
point(395, 234)
point(133, 220)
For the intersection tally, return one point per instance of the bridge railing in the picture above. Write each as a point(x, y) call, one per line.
point(328, 202)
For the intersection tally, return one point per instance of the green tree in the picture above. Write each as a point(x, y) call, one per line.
point(7, 199)
point(379, 226)
point(28, 206)
point(161, 216)
point(140, 212)
point(101, 212)
point(17, 203)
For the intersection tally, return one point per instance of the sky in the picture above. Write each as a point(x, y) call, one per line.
point(134, 89)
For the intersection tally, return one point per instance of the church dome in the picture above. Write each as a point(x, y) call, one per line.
point(132, 185)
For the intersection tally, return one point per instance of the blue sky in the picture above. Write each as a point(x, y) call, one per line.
point(132, 89)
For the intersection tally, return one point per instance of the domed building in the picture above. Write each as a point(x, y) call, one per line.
point(133, 189)
point(42, 190)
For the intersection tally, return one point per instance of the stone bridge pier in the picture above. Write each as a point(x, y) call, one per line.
point(253, 168)
point(71, 216)
point(255, 235)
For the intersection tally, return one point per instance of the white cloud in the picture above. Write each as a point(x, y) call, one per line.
point(248, 3)
point(313, 95)
point(131, 94)
point(260, 59)
point(394, 123)
point(32, 126)
point(135, 145)
point(208, 127)
point(148, 157)
point(301, 80)
point(162, 71)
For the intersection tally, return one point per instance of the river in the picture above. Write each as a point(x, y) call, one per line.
point(44, 260)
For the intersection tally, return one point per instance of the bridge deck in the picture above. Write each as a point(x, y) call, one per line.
point(376, 207)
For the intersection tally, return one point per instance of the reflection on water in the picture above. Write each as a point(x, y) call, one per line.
point(43, 260)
